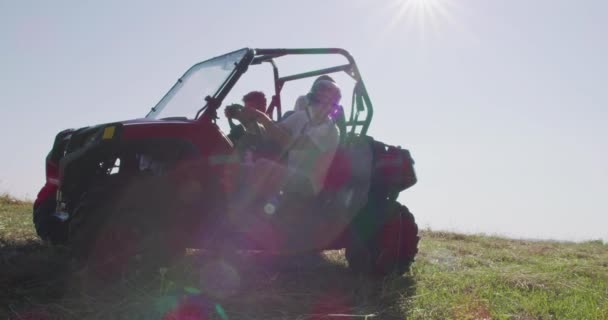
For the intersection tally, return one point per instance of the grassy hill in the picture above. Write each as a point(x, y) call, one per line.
point(455, 277)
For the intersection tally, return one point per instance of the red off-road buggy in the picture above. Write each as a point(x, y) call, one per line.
point(151, 187)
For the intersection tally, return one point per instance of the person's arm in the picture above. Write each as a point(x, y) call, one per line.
point(274, 131)
point(236, 133)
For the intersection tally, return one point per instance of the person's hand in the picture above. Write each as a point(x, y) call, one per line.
point(321, 112)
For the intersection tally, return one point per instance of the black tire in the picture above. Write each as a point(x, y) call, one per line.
point(48, 227)
point(390, 248)
point(86, 221)
point(113, 232)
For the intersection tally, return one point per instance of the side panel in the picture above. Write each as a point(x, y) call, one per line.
point(160, 146)
point(207, 137)
point(198, 185)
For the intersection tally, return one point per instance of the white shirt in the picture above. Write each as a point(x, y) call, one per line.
point(311, 161)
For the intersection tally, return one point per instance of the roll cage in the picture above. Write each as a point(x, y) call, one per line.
point(361, 109)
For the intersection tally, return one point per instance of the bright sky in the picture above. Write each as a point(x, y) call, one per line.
point(502, 103)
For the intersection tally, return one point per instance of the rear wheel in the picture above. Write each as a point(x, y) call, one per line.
point(390, 248)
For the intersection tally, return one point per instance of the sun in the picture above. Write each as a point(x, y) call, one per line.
point(420, 14)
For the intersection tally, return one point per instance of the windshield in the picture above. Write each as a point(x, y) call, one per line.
point(203, 79)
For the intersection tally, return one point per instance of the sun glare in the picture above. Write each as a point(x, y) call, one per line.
point(420, 14)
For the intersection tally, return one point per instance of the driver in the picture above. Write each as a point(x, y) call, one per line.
point(255, 100)
point(308, 139)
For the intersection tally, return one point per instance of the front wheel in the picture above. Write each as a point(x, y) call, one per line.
point(116, 232)
point(49, 227)
point(390, 248)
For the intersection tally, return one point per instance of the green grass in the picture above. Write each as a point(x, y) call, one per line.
point(455, 277)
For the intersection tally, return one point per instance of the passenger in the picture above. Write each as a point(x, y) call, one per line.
point(309, 139)
point(304, 101)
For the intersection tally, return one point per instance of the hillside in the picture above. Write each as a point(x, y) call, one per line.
point(455, 277)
